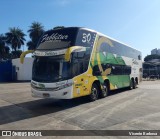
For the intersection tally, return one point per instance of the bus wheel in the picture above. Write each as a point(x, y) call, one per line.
point(135, 84)
point(94, 92)
point(105, 91)
point(131, 84)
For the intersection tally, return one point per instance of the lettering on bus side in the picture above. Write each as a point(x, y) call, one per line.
point(80, 84)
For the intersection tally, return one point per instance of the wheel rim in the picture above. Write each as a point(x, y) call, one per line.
point(94, 93)
point(131, 84)
point(105, 90)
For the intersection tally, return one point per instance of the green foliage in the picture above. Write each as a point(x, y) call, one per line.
point(4, 50)
point(31, 45)
point(150, 57)
point(2, 44)
point(35, 32)
point(16, 54)
point(15, 38)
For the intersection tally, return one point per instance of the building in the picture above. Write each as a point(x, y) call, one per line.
point(13, 70)
point(23, 71)
point(158, 51)
point(155, 51)
point(6, 71)
point(151, 68)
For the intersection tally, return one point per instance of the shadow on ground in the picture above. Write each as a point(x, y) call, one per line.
point(26, 110)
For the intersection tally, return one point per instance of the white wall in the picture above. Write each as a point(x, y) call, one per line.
point(24, 71)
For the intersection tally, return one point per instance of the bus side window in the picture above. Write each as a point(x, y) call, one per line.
point(127, 70)
point(96, 71)
point(117, 70)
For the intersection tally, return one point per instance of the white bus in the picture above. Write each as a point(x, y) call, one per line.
point(73, 62)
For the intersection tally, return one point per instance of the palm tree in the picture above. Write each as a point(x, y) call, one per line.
point(15, 38)
point(2, 42)
point(4, 50)
point(2, 45)
point(35, 32)
point(31, 45)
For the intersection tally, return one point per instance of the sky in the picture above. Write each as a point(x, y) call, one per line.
point(133, 22)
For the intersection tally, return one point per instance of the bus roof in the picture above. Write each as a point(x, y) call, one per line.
point(59, 28)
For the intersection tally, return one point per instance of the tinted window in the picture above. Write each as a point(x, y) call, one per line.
point(65, 38)
point(50, 69)
point(120, 70)
point(127, 70)
point(80, 61)
point(120, 49)
point(57, 39)
point(85, 38)
point(115, 69)
point(96, 71)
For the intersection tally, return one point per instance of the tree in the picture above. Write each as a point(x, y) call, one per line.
point(150, 57)
point(4, 50)
point(16, 54)
point(35, 32)
point(15, 38)
point(2, 45)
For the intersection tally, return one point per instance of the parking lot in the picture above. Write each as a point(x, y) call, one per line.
point(123, 109)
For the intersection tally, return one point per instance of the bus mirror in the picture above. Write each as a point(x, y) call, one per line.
point(24, 54)
point(73, 49)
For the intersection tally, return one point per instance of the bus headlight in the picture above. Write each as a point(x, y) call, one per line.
point(64, 86)
point(51, 89)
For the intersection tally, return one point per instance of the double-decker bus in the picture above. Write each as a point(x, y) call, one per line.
point(73, 62)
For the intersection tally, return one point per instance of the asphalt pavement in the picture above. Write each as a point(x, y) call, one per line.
point(137, 109)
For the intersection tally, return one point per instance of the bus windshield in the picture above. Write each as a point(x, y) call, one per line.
point(50, 69)
point(55, 69)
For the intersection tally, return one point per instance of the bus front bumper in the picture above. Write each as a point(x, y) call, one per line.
point(65, 93)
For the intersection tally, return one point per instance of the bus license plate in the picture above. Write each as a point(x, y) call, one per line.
point(46, 95)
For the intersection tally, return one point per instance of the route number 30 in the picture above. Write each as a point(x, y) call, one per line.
point(86, 38)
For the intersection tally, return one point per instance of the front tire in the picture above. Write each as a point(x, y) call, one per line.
point(94, 92)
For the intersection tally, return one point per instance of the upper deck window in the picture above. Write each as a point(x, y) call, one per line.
point(65, 38)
